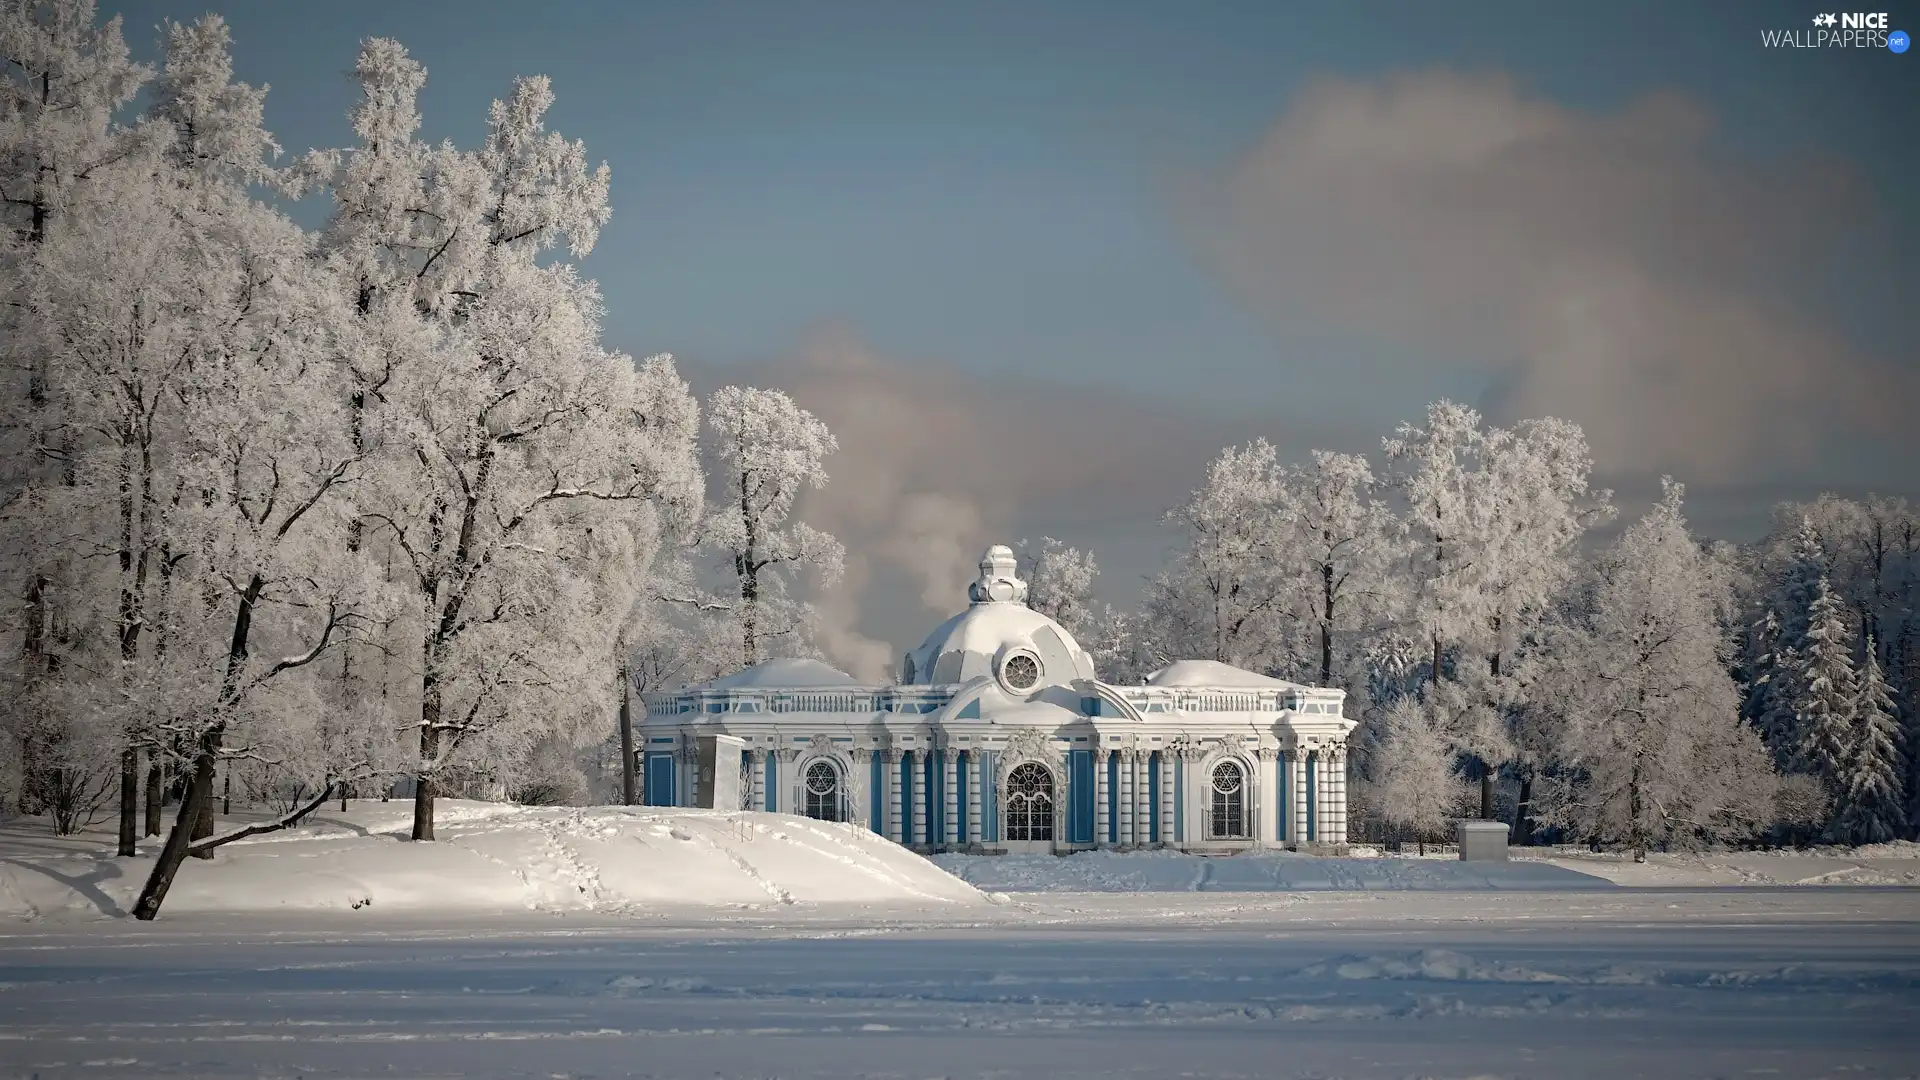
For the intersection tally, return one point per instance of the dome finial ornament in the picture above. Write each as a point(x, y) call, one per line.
point(999, 581)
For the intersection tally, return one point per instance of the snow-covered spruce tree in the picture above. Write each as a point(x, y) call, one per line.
point(766, 451)
point(1225, 597)
point(1872, 807)
point(1825, 692)
point(1650, 749)
point(1777, 643)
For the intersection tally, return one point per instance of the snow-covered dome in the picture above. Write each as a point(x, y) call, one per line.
point(999, 635)
point(784, 673)
point(1213, 673)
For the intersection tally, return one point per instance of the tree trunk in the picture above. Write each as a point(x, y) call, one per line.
point(203, 825)
point(156, 791)
point(1633, 815)
point(628, 782)
point(1523, 814)
point(1326, 624)
point(129, 800)
point(199, 796)
point(423, 779)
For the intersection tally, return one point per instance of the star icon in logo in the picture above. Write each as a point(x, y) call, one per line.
point(1824, 20)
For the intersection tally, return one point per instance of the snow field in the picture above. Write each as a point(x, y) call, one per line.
point(1601, 984)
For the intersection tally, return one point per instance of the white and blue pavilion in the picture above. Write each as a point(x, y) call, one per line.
point(1000, 738)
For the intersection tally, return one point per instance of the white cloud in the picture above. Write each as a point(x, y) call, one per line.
point(1609, 267)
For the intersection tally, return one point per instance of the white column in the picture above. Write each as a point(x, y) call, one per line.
point(1299, 824)
point(975, 778)
point(1323, 787)
point(921, 795)
point(1142, 797)
point(758, 779)
point(1126, 798)
point(1339, 818)
point(950, 769)
point(891, 772)
point(1166, 796)
point(1100, 797)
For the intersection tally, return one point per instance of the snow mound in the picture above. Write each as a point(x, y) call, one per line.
point(1431, 965)
point(491, 859)
point(784, 674)
point(1214, 673)
point(1169, 871)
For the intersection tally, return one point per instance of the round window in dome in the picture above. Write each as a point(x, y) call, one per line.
point(1021, 671)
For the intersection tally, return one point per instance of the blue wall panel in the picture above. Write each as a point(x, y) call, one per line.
point(773, 782)
point(989, 800)
point(906, 797)
point(1153, 797)
point(1313, 796)
point(876, 794)
point(1080, 797)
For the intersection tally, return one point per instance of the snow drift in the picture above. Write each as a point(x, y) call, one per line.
point(493, 858)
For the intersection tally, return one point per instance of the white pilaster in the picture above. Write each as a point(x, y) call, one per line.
point(921, 795)
point(1100, 759)
point(1126, 798)
point(1339, 817)
point(950, 769)
point(1166, 796)
point(975, 778)
point(894, 809)
point(1143, 815)
point(1298, 827)
point(758, 778)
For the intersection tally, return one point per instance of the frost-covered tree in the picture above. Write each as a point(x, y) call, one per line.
point(1060, 582)
point(65, 77)
point(1871, 805)
point(766, 451)
point(1825, 692)
point(1337, 544)
point(519, 463)
point(1225, 597)
point(1778, 642)
point(1414, 786)
point(1439, 472)
point(1650, 749)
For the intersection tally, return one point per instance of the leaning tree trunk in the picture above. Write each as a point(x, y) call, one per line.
point(198, 801)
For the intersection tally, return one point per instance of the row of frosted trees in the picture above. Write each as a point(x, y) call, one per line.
point(318, 509)
point(1650, 690)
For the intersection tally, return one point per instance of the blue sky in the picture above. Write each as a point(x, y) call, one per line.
point(986, 201)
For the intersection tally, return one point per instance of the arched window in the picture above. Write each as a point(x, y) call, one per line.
point(1030, 803)
point(1228, 817)
point(823, 791)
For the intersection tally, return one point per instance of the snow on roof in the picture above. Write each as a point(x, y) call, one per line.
point(782, 673)
point(1215, 673)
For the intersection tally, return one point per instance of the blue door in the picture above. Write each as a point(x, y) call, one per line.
point(660, 778)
